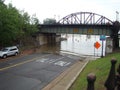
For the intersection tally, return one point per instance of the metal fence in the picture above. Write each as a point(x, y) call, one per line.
point(113, 80)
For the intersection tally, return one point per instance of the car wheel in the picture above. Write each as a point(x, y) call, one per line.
point(16, 54)
point(4, 56)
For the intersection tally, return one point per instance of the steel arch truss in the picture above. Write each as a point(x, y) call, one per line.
point(85, 18)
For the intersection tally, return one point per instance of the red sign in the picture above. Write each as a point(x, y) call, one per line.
point(97, 45)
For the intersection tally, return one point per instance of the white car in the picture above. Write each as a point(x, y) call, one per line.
point(9, 51)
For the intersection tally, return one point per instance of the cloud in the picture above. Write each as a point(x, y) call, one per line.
point(60, 8)
point(115, 1)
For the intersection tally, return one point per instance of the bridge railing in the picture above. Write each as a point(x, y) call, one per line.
point(111, 83)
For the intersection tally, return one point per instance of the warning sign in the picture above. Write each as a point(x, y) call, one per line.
point(89, 31)
point(97, 45)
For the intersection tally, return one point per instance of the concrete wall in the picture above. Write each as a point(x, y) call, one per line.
point(58, 38)
point(109, 45)
point(43, 39)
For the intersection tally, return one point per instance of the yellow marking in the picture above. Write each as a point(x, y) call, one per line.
point(75, 30)
point(18, 64)
point(89, 31)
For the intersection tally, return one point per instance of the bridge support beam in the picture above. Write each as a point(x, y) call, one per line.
point(47, 38)
point(115, 42)
point(51, 38)
point(115, 30)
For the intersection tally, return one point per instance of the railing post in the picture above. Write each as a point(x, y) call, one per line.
point(91, 79)
point(110, 82)
point(118, 78)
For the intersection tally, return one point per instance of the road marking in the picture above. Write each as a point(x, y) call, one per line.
point(42, 60)
point(62, 63)
point(55, 61)
point(49, 61)
point(21, 63)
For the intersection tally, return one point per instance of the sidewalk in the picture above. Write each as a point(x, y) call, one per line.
point(65, 80)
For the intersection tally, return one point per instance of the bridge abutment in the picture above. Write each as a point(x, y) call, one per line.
point(115, 36)
point(51, 38)
point(48, 38)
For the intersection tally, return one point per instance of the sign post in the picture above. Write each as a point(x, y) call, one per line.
point(102, 50)
point(97, 46)
point(102, 38)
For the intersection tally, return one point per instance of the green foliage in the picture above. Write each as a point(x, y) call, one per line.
point(15, 24)
point(29, 24)
point(49, 21)
point(2, 1)
point(100, 67)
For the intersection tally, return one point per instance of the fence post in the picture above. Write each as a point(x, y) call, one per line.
point(91, 79)
point(110, 82)
point(118, 78)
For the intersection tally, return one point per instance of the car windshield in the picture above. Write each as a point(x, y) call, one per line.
point(4, 49)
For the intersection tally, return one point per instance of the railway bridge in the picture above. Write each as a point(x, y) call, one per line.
point(87, 23)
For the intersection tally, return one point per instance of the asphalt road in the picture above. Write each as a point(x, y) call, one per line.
point(33, 72)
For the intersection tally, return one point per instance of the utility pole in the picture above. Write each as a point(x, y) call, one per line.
point(117, 16)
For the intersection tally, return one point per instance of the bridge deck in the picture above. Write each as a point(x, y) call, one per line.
point(76, 29)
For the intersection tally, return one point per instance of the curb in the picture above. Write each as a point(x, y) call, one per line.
point(72, 81)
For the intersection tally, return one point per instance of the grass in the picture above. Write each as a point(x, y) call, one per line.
point(100, 68)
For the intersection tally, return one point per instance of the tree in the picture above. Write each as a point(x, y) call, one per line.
point(49, 21)
point(2, 1)
point(3, 21)
point(14, 24)
point(29, 27)
point(10, 24)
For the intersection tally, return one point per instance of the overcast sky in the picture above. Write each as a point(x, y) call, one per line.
point(60, 8)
